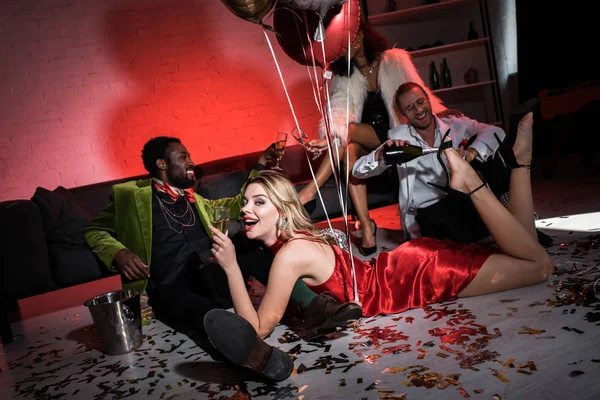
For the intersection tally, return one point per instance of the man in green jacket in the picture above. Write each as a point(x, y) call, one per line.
point(154, 232)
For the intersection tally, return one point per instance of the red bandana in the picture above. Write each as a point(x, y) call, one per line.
point(173, 194)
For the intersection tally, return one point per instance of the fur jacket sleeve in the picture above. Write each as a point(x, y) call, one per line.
point(395, 69)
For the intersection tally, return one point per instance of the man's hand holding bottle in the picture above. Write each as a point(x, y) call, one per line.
point(389, 143)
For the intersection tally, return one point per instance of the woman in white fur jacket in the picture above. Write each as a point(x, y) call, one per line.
point(375, 74)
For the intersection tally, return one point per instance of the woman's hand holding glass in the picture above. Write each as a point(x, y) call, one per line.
point(224, 251)
point(315, 146)
point(221, 218)
point(221, 223)
point(280, 142)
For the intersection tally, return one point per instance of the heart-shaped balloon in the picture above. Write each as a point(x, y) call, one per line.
point(250, 10)
point(338, 22)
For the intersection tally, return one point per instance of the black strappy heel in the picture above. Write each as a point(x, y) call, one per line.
point(367, 251)
point(508, 155)
point(447, 189)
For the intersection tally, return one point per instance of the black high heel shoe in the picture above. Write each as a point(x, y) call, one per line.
point(367, 251)
point(508, 155)
point(447, 189)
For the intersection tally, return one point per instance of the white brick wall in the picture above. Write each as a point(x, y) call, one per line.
point(84, 84)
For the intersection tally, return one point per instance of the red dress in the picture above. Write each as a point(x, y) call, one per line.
point(419, 272)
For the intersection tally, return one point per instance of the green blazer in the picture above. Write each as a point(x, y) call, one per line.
point(126, 223)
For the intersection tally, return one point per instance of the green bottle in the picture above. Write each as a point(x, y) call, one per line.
point(472, 35)
point(434, 78)
point(401, 154)
point(446, 74)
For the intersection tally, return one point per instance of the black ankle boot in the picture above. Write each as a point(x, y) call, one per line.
point(236, 339)
point(324, 315)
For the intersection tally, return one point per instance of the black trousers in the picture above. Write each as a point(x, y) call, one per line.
point(184, 303)
point(456, 218)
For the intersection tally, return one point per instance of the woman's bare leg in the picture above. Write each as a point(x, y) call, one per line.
point(358, 193)
point(323, 173)
point(520, 201)
point(524, 261)
point(362, 134)
point(362, 139)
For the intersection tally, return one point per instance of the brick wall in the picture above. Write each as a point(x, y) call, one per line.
point(84, 84)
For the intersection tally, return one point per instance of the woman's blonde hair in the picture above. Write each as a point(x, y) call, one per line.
point(283, 195)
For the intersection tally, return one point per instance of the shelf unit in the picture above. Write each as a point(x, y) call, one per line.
point(449, 47)
point(416, 24)
point(467, 86)
point(388, 18)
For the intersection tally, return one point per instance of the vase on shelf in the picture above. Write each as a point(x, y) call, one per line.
point(471, 76)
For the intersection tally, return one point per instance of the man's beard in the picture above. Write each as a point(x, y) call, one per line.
point(181, 182)
point(423, 123)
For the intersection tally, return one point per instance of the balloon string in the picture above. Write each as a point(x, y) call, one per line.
point(295, 119)
point(335, 170)
point(282, 81)
point(342, 196)
point(320, 108)
point(349, 14)
point(313, 84)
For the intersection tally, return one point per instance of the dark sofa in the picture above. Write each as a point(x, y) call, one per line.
point(42, 248)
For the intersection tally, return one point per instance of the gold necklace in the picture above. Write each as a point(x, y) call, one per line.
point(366, 76)
point(169, 215)
point(372, 67)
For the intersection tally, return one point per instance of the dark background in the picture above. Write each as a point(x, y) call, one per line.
point(555, 45)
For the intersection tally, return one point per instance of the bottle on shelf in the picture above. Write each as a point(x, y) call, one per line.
point(401, 154)
point(472, 35)
point(446, 76)
point(391, 6)
point(434, 78)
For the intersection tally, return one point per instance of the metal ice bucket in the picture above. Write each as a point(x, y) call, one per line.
point(118, 319)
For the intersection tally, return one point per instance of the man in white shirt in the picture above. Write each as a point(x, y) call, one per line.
point(424, 129)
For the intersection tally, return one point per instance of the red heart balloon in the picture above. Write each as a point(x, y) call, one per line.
point(289, 24)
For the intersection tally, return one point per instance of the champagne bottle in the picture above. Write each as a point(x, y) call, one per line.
point(401, 154)
point(434, 79)
point(446, 74)
point(472, 35)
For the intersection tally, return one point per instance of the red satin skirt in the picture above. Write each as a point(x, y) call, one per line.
point(419, 272)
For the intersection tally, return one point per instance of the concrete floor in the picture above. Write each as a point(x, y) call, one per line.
point(527, 343)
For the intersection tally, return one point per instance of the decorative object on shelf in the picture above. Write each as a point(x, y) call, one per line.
point(471, 76)
point(446, 76)
point(434, 79)
point(391, 6)
point(472, 35)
